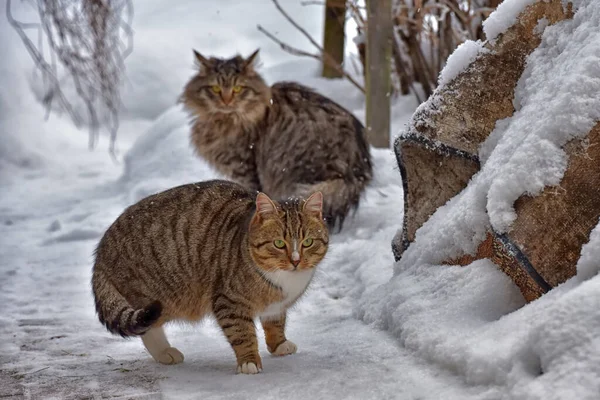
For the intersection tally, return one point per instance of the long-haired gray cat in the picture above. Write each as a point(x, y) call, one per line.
point(285, 140)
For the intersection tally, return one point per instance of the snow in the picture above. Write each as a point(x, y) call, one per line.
point(588, 265)
point(15, 152)
point(431, 332)
point(471, 319)
point(53, 345)
point(542, 24)
point(460, 59)
point(504, 17)
point(563, 74)
point(58, 198)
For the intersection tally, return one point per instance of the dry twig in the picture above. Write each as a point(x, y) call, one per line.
point(426, 33)
point(322, 55)
point(297, 52)
point(89, 40)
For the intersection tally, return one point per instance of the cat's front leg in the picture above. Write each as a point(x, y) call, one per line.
point(235, 319)
point(275, 336)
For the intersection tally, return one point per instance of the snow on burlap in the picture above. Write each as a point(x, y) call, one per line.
point(471, 319)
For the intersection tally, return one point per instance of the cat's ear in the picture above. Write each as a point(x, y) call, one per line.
point(314, 204)
point(201, 61)
point(264, 204)
point(251, 61)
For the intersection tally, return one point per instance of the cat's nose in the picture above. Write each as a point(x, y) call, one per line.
point(226, 96)
point(295, 258)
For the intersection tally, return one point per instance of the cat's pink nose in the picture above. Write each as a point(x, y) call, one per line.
point(227, 97)
point(295, 257)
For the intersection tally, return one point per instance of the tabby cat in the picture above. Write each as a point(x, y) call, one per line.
point(215, 248)
point(285, 140)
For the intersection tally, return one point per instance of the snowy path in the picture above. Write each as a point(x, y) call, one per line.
point(443, 326)
point(53, 345)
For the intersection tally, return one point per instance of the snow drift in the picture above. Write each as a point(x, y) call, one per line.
point(470, 319)
point(464, 331)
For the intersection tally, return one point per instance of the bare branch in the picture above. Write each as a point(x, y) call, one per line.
point(426, 32)
point(287, 48)
point(86, 43)
point(297, 26)
point(323, 56)
point(46, 69)
point(341, 3)
point(297, 52)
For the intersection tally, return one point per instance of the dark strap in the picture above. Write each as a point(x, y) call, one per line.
point(523, 262)
point(432, 145)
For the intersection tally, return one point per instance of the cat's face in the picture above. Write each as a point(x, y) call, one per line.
point(224, 87)
point(290, 236)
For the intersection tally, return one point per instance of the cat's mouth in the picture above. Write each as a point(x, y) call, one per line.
point(227, 109)
point(289, 267)
point(297, 268)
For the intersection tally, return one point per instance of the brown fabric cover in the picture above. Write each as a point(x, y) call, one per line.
point(544, 244)
point(459, 117)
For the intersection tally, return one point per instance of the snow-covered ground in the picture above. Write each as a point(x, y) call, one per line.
point(470, 319)
point(432, 333)
point(58, 198)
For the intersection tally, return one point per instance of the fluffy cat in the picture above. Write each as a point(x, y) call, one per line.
point(285, 140)
point(215, 248)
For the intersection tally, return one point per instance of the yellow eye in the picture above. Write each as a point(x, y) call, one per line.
point(237, 89)
point(280, 244)
point(216, 88)
point(307, 242)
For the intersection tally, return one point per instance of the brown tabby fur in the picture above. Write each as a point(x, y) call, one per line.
point(285, 140)
point(207, 248)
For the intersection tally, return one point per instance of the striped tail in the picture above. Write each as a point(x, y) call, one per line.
point(115, 312)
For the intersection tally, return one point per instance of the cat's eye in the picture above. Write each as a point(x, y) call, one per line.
point(216, 88)
point(280, 244)
point(237, 89)
point(307, 242)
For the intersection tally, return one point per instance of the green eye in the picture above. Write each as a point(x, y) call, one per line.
point(280, 244)
point(237, 89)
point(216, 88)
point(307, 242)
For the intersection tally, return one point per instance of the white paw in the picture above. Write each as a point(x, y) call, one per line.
point(248, 368)
point(285, 348)
point(170, 356)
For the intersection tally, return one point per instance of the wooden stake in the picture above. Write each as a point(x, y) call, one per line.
point(333, 36)
point(378, 72)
